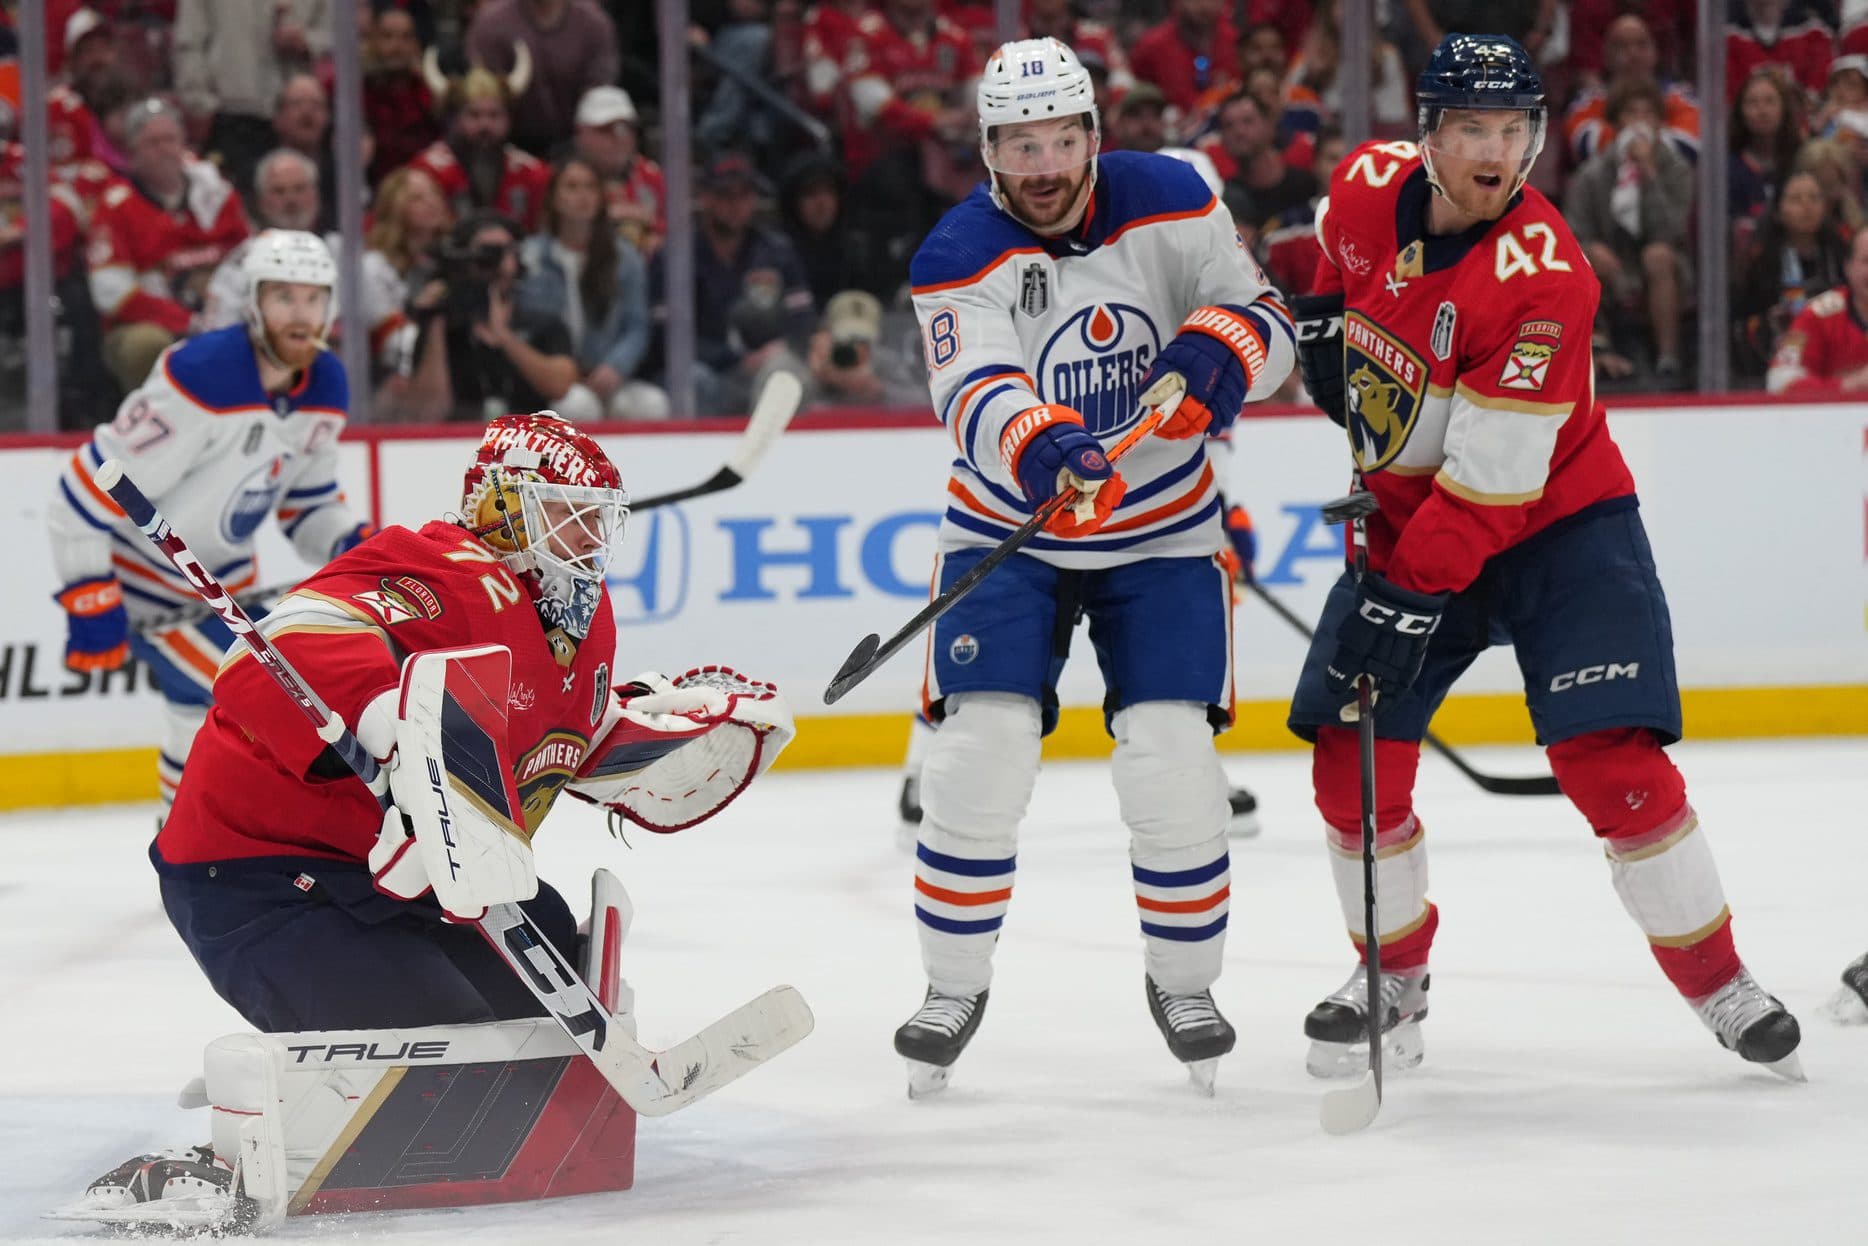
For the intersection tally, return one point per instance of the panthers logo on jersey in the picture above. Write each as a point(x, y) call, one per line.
point(1385, 382)
point(1094, 362)
point(543, 772)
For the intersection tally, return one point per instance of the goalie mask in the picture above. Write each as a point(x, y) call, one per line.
point(550, 502)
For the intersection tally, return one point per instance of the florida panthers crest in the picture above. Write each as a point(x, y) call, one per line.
point(1095, 361)
point(1384, 383)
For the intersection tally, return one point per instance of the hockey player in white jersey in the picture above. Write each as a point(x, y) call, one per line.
point(230, 426)
point(1058, 303)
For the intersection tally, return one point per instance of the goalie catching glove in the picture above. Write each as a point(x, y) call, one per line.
point(670, 753)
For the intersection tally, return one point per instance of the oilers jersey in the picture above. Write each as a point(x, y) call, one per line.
point(1011, 319)
point(216, 454)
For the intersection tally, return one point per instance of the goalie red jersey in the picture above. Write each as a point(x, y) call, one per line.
point(1467, 376)
point(266, 786)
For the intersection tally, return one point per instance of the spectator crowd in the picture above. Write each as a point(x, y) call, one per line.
point(516, 207)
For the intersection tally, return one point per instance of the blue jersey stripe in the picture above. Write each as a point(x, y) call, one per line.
point(950, 926)
point(979, 409)
point(1181, 878)
point(962, 866)
point(78, 506)
point(977, 374)
point(1185, 934)
point(1165, 481)
point(313, 492)
point(167, 603)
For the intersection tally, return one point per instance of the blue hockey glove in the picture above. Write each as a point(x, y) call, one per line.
point(353, 538)
point(98, 630)
point(1045, 449)
point(1219, 350)
point(1385, 637)
point(1319, 322)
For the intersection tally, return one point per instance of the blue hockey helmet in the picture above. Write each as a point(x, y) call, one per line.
point(1489, 73)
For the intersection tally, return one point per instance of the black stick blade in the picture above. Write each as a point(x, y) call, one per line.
point(854, 668)
point(1358, 505)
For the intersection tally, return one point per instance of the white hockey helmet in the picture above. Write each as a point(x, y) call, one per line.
point(291, 255)
point(1034, 80)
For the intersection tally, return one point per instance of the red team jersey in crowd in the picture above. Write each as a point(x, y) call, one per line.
point(1803, 44)
point(1825, 342)
point(520, 194)
point(247, 793)
point(149, 264)
point(1468, 376)
point(897, 85)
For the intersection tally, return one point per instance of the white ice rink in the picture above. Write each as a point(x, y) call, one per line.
point(1568, 1095)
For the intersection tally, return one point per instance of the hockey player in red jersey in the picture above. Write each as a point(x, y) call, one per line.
point(310, 908)
point(1451, 335)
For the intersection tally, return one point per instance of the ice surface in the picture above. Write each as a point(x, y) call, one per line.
point(1568, 1095)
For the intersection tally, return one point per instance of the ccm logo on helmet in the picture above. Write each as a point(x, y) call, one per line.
point(1595, 675)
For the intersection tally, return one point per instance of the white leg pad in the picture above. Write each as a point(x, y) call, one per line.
point(975, 786)
point(1400, 877)
point(1668, 882)
point(611, 914)
point(1172, 793)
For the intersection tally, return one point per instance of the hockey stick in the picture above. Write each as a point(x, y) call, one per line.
point(1498, 785)
point(871, 651)
point(1354, 1107)
point(778, 401)
point(199, 611)
point(654, 1083)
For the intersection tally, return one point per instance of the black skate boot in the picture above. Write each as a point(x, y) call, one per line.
point(1197, 1035)
point(935, 1036)
point(1755, 1025)
point(1849, 1006)
point(1243, 823)
point(181, 1190)
point(1338, 1028)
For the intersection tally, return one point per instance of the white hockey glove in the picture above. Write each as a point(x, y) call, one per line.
point(671, 753)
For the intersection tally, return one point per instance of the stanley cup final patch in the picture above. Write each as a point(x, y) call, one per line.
point(1034, 293)
point(1528, 365)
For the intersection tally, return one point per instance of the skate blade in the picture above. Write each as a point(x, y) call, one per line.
point(925, 1080)
point(209, 1213)
point(1402, 1048)
point(1845, 1007)
point(1203, 1074)
point(1790, 1068)
point(1351, 1108)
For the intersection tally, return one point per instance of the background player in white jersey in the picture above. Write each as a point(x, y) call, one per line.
point(1058, 303)
point(230, 426)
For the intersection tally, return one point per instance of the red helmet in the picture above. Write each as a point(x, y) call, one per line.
point(547, 497)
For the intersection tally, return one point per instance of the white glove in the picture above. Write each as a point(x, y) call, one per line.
point(396, 865)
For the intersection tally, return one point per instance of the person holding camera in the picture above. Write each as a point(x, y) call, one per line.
point(850, 365)
point(582, 272)
point(481, 355)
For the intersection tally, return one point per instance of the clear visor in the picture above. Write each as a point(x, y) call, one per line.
point(1500, 142)
point(1025, 152)
point(573, 529)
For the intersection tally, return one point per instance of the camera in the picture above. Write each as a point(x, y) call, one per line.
point(469, 273)
point(846, 354)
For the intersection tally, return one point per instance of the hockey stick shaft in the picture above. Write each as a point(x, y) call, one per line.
point(872, 651)
point(1498, 785)
point(772, 413)
point(632, 1070)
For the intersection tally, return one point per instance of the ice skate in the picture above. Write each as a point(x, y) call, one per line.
point(1849, 1005)
point(908, 811)
point(935, 1036)
point(1338, 1027)
point(1243, 821)
point(186, 1190)
point(1755, 1025)
point(1197, 1035)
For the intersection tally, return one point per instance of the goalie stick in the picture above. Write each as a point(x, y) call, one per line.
point(778, 401)
point(872, 651)
point(1498, 785)
point(654, 1083)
